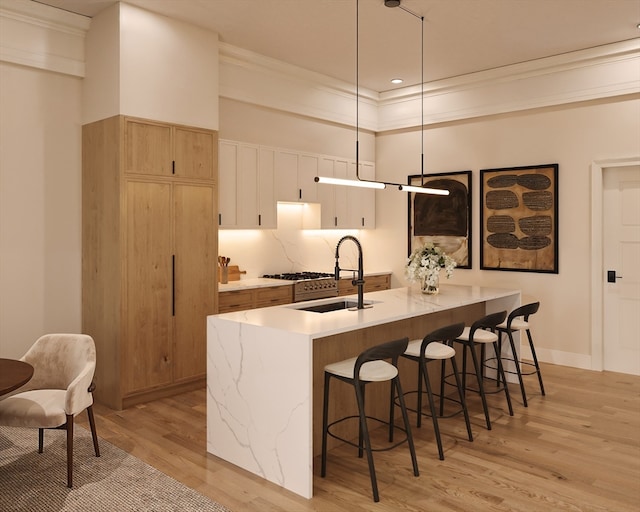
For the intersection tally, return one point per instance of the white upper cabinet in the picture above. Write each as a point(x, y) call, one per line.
point(247, 189)
point(227, 172)
point(307, 172)
point(361, 202)
point(346, 207)
point(294, 176)
point(254, 178)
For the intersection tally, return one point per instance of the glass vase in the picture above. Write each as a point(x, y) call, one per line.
point(431, 284)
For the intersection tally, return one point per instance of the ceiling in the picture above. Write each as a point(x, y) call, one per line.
point(460, 36)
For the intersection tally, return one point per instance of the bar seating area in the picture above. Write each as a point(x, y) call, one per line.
point(380, 364)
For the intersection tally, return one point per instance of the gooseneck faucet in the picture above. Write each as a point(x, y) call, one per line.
point(356, 282)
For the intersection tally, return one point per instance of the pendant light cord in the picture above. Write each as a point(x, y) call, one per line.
point(358, 89)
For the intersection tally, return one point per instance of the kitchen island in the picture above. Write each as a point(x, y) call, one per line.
point(265, 366)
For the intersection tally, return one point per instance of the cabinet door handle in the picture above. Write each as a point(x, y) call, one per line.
point(173, 285)
point(335, 221)
point(173, 167)
point(299, 193)
point(219, 218)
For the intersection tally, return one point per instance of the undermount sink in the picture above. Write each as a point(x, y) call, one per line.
point(331, 306)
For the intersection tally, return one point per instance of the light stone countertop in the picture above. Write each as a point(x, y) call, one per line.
point(388, 306)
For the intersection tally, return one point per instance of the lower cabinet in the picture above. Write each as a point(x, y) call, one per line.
point(251, 298)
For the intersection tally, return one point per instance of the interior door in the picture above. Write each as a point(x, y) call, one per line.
point(195, 276)
point(621, 256)
point(147, 310)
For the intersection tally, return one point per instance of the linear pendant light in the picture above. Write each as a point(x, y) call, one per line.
point(358, 182)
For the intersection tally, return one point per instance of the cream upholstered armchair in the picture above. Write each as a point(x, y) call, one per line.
point(60, 389)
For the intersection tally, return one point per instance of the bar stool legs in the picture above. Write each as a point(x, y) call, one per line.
point(518, 320)
point(433, 347)
point(480, 333)
point(369, 366)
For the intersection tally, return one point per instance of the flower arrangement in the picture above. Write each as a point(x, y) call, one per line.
point(424, 266)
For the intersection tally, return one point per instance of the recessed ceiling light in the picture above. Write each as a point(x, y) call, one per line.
point(397, 80)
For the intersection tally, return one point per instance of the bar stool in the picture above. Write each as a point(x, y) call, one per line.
point(436, 346)
point(518, 320)
point(370, 366)
point(481, 333)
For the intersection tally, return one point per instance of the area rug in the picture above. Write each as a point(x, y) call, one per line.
point(114, 482)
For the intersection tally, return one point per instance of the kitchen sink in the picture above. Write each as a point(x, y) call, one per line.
point(331, 306)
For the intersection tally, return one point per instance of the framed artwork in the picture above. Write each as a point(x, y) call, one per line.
point(444, 221)
point(519, 218)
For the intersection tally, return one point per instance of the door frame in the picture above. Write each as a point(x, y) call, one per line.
point(597, 272)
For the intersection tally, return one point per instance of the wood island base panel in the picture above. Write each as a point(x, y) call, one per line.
point(264, 370)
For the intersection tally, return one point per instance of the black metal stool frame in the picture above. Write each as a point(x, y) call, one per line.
point(488, 322)
point(445, 335)
point(523, 311)
point(390, 350)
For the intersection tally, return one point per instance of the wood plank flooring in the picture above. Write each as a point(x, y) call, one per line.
point(576, 449)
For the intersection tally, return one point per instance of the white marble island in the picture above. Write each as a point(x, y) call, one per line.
point(264, 369)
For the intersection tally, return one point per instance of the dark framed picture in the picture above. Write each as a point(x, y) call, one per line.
point(519, 218)
point(444, 221)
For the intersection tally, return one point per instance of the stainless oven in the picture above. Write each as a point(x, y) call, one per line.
point(309, 285)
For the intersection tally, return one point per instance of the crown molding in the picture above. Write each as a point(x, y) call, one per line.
point(602, 72)
point(43, 37)
point(45, 16)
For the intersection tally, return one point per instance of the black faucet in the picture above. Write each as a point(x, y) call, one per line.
point(356, 282)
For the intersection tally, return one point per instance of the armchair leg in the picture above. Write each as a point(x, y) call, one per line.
point(69, 450)
point(94, 434)
point(40, 440)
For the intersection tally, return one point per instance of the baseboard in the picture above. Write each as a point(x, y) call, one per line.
point(582, 361)
point(166, 391)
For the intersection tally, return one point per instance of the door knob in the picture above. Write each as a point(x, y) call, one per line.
point(611, 276)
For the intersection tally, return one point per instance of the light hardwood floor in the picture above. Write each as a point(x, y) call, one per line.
point(577, 449)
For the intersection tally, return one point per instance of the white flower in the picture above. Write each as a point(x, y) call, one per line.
point(425, 263)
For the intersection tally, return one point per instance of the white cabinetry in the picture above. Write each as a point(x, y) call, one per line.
point(254, 178)
point(295, 173)
point(346, 207)
point(247, 189)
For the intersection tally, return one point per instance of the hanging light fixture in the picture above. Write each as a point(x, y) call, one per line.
point(358, 182)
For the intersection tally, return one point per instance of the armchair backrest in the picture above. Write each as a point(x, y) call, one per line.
point(59, 359)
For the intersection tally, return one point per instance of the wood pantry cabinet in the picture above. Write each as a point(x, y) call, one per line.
point(149, 242)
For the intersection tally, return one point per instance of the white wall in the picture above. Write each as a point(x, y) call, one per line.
point(573, 137)
point(40, 206)
point(150, 66)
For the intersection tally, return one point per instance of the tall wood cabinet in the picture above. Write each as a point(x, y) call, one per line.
point(149, 233)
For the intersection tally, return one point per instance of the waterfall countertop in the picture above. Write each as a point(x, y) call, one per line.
point(387, 306)
point(261, 367)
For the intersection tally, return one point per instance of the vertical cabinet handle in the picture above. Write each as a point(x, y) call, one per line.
point(299, 193)
point(259, 220)
point(219, 218)
point(173, 285)
point(173, 167)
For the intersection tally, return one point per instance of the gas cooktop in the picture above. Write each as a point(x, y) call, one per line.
point(299, 276)
point(309, 285)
